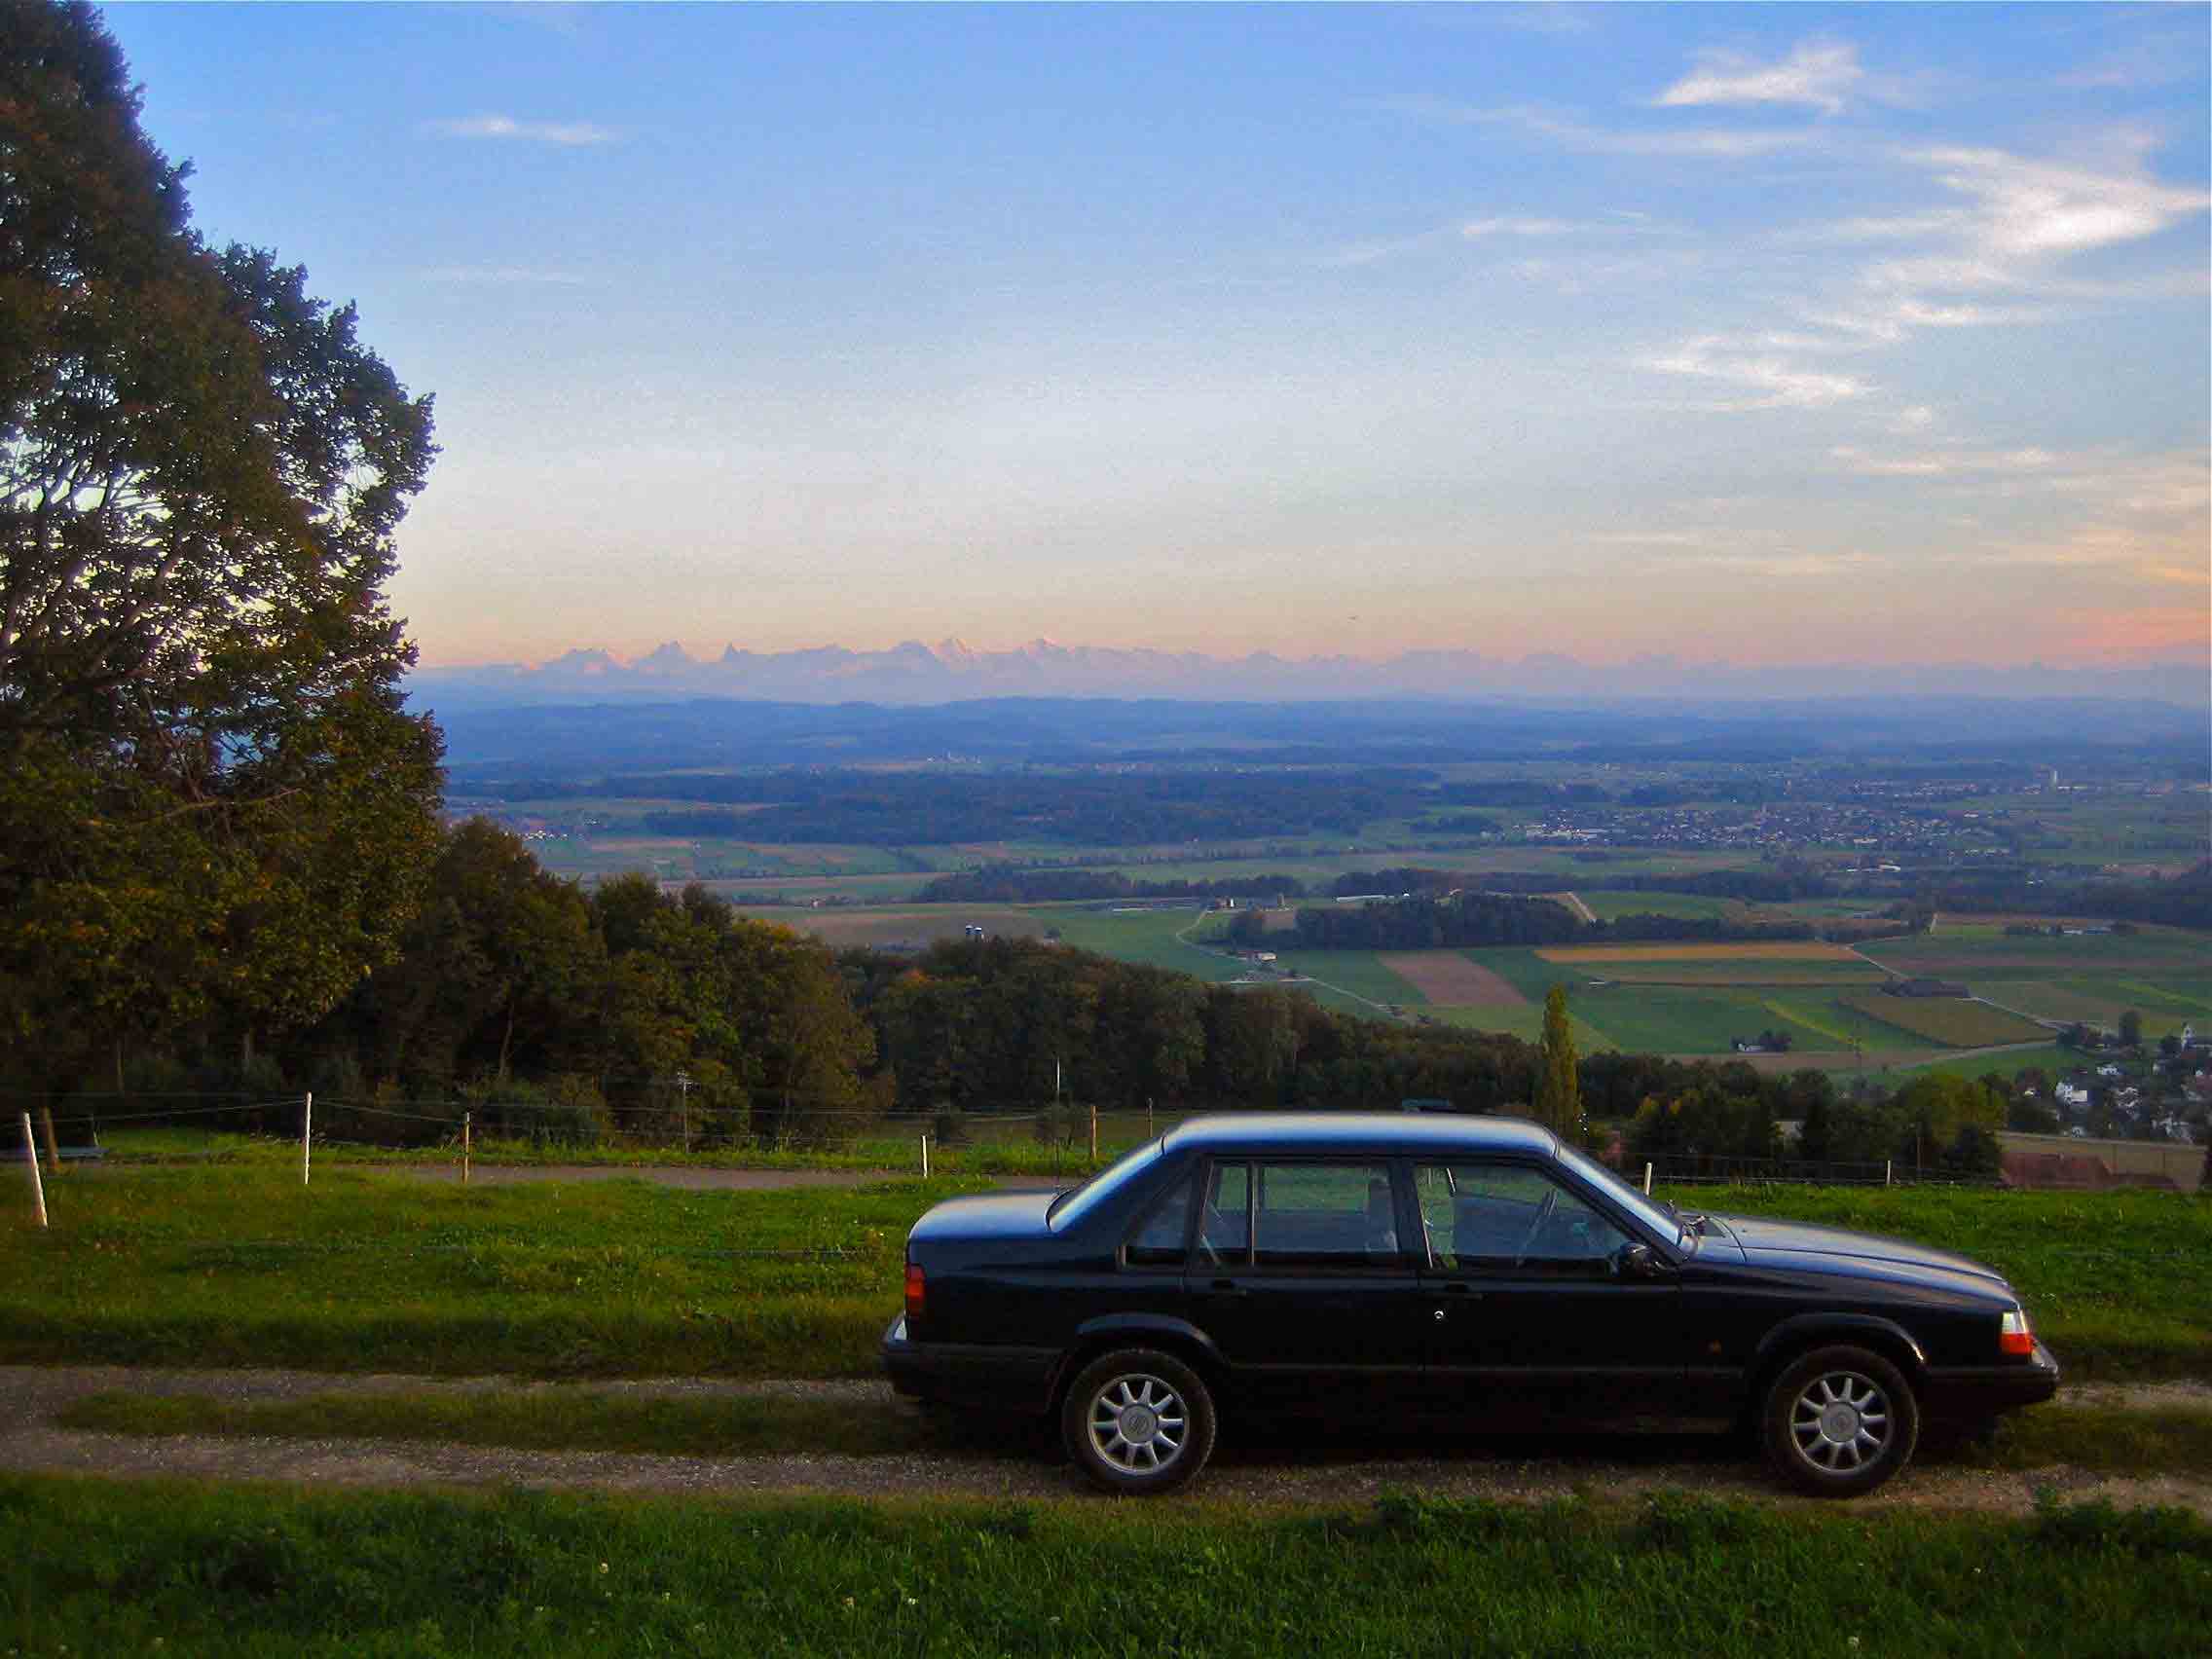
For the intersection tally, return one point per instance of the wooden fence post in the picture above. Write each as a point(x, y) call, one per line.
point(53, 1152)
point(925, 1158)
point(464, 1117)
point(1095, 1132)
point(307, 1134)
point(30, 1157)
point(1647, 1180)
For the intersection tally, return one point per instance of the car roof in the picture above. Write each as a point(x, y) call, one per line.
point(1340, 1132)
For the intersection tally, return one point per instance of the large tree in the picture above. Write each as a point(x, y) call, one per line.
point(202, 469)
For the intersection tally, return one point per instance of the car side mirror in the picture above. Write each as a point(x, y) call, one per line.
point(1638, 1261)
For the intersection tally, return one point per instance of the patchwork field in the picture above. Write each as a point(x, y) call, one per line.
point(1780, 950)
point(2101, 1001)
point(1450, 979)
point(1958, 1022)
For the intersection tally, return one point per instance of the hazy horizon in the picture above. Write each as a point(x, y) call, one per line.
point(1763, 336)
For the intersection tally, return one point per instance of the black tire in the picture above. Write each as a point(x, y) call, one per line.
point(1138, 1421)
point(1839, 1422)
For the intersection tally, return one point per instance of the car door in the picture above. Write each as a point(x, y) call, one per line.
point(1303, 1280)
point(1532, 1315)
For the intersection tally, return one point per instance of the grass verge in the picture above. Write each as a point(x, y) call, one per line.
point(112, 1568)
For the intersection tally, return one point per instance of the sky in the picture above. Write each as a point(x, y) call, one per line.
point(1747, 334)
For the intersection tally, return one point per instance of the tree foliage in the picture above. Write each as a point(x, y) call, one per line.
point(213, 806)
point(1559, 1085)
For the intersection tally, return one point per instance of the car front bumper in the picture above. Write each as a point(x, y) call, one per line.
point(983, 1376)
point(1968, 1391)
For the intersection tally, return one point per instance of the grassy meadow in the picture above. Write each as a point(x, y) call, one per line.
point(371, 1270)
point(98, 1567)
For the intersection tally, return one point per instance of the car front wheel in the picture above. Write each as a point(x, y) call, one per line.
point(1138, 1421)
point(1839, 1422)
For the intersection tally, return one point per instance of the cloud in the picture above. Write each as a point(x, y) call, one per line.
point(2035, 210)
point(1943, 464)
point(1818, 75)
point(507, 127)
point(1782, 383)
point(1556, 127)
point(1517, 227)
point(505, 275)
point(1651, 539)
point(1789, 565)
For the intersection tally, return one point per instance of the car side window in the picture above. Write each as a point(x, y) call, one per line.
point(1225, 1229)
point(1324, 1215)
point(1159, 1240)
point(1491, 1218)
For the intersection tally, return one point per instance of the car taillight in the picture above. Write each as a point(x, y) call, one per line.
point(2013, 1334)
point(915, 1290)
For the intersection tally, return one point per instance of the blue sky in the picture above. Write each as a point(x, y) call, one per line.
point(1742, 333)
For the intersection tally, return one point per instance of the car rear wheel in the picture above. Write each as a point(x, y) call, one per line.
point(1839, 1422)
point(1138, 1421)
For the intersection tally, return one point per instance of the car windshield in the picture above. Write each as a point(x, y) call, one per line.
point(1653, 1215)
point(1076, 1202)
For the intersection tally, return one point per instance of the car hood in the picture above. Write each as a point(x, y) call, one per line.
point(989, 1215)
point(1765, 1242)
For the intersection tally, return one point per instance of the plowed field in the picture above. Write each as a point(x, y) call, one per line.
point(1449, 979)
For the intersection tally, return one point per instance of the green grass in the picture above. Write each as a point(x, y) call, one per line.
point(1667, 1019)
point(2169, 1441)
point(114, 1567)
point(1359, 972)
point(2051, 1059)
point(1143, 936)
point(1954, 1021)
point(1526, 1023)
point(237, 1265)
point(564, 1420)
point(580, 1419)
point(373, 1270)
point(2113, 1281)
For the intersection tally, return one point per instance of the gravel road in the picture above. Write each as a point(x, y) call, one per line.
point(1274, 1472)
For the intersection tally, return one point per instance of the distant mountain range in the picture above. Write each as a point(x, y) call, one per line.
point(916, 674)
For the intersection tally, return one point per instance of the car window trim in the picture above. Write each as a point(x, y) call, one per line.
point(1549, 1168)
point(1407, 1263)
point(1167, 1195)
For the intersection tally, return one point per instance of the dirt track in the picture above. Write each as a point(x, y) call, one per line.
point(1022, 1466)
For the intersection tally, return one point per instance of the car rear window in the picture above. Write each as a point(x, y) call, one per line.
point(1073, 1205)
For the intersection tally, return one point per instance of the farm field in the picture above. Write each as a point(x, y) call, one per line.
point(1663, 1019)
point(2051, 1059)
point(1958, 1022)
point(1736, 971)
point(1607, 905)
point(1777, 950)
point(1363, 972)
point(2150, 949)
point(2101, 1001)
point(1453, 979)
